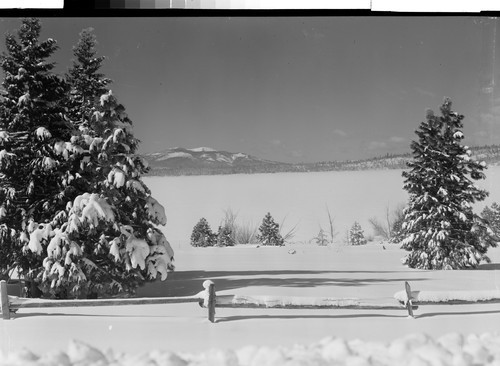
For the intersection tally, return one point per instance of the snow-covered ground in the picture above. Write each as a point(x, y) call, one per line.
point(182, 335)
point(365, 272)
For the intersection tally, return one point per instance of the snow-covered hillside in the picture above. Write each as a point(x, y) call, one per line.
point(178, 161)
point(208, 161)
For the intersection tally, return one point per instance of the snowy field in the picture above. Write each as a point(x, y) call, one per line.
point(180, 334)
point(271, 336)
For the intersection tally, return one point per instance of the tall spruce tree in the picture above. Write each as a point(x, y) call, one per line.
point(108, 240)
point(114, 219)
point(440, 229)
point(88, 83)
point(75, 216)
point(33, 177)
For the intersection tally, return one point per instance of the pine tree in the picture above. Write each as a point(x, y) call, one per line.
point(113, 220)
point(86, 80)
point(397, 227)
point(440, 229)
point(356, 235)
point(269, 233)
point(492, 217)
point(33, 176)
point(113, 225)
point(76, 217)
point(322, 238)
point(202, 235)
point(225, 237)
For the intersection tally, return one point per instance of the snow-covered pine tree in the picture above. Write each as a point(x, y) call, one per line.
point(397, 224)
point(492, 217)
point(202, 235)
point(114, 224)
point(269, 233)
point(86, 223)
point(225, 237)
point(86, 80)
point(322, 238)
point(114, 219)
point(356, 235)
point(440, 230)
point(33, 176)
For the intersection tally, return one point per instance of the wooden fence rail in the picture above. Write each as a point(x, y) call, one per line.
point(11, 304)
point(406, 300)
point(446, 297)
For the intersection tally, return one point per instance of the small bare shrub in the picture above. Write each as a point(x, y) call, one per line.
point(379, 229)
point(331, 220)
point(229, 222)
point(392, 224)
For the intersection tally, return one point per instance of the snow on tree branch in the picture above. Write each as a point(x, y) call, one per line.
point(156, 211)
point(91, 208)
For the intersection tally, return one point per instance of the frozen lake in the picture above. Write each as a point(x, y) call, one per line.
point(299, 198)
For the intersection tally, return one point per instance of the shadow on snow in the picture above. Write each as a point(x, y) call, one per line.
point(190, 282)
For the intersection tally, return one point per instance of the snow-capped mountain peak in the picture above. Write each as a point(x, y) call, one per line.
point(201, 149)
point(202, 159)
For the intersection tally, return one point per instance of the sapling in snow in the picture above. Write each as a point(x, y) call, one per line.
point(269, 232)
point(356, 235)
point(202, 235)
point(225, 237)
point(492, 217)
point(322, 238)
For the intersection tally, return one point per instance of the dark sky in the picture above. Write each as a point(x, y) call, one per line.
point(293, 88)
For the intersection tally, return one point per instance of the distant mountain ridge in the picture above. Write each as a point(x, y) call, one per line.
point(208, 161)
point(203, 160)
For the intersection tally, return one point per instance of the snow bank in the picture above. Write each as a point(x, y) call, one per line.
point(449, 296)
point(284, 301)
point(414, 349)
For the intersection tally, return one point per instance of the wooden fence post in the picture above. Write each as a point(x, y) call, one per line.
point(4, 300)
point(409, 304)
point(211, 302)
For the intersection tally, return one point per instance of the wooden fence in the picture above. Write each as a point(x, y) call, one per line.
point(406, 300)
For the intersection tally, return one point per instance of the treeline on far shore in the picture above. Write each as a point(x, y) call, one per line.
point(489, 153)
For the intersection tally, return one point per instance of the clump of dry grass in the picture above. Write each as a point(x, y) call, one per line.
point(242, 233)
point(290, 234)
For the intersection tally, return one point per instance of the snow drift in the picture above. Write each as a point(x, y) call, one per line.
point(413, 349)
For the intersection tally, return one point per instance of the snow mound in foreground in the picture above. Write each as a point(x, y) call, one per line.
point(414, 349)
